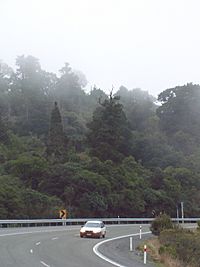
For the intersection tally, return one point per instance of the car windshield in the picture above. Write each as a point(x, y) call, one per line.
point(92, 224)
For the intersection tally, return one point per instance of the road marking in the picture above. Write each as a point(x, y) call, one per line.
point(35, 232)
point(95, 248)
point(54, 238)
point(31, 251)
point(43, 263)
point(38, 243)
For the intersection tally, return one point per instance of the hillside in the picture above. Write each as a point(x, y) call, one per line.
point(94, 154)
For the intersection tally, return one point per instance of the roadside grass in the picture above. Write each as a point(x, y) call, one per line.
point(173, 245)
point(160, 260)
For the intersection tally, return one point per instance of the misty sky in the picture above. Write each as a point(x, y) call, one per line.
point(150, 44)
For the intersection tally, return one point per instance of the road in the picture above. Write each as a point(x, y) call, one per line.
point(62, 246)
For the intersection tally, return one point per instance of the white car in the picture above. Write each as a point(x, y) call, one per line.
point(93, 229)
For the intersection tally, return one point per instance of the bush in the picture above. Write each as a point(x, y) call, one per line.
point(161, 223)
point(170, 250)
point(183, 244)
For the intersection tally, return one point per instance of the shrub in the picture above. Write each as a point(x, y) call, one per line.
point(183, 244)
point(161, 223)
point(170, 250)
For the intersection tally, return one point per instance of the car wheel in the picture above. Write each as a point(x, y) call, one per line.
point(100, 236)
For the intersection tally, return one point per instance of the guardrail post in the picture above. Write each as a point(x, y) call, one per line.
point(182, 213)
point(140, 232)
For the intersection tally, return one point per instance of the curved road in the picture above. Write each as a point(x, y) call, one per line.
point(62, 246)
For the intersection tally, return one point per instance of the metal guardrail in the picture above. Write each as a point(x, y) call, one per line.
point(80, 221)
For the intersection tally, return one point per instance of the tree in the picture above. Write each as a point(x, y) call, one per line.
point(28, 81)
point(4, 137)
point(95, 95)
point(186, 186)
point(75, 128)
point(38, 205)
point(82, 80)
point(153, 150)
point(68, 90)
point(11, 203)
point(180, 110)
point(56, 147)
point(138, 105)
point(30, 169)
point(28, 96)
point(6, 74)
point(109, 135)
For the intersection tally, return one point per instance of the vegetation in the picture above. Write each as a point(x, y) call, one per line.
point(161, 223)
point(181, 244)
point(94, 154)
point(175, 246)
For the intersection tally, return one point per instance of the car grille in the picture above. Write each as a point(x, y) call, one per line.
point(89, 232)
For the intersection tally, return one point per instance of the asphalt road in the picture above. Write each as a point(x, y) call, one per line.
point(62, 246)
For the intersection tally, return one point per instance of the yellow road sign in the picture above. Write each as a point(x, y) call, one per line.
point(63, 214)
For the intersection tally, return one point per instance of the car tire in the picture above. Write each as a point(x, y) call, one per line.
point(100, 236)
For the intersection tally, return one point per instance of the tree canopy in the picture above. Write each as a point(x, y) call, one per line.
point(96, 155)
point(109, 134)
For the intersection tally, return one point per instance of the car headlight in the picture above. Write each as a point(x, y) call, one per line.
point(82, 230)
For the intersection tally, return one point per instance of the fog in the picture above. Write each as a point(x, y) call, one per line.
point(152, 45)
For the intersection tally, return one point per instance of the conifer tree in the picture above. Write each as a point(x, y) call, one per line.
point(56, 147)
point(109, 135)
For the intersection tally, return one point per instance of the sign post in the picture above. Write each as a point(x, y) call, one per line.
point(63, 214)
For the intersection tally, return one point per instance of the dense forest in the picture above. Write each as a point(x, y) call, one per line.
point(123, 154)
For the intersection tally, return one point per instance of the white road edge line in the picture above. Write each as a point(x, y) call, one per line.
point(95, 248)
point(36, 232)
point(31, 251)
point(43, 263)
point(54, 238)
point(38, 243)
